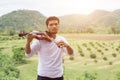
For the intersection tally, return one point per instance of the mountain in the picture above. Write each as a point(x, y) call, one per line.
point(22, 20)
point(99, 20)
point(104, 18)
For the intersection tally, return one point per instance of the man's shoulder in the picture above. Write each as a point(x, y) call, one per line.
point(36, 41)
point(59, 38)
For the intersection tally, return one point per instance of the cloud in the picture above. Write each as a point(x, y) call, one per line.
point(59, 7)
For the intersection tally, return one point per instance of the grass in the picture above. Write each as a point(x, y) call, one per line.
point(74, 69)
point(29, 70)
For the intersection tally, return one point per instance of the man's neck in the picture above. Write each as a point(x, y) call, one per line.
point(53, 36)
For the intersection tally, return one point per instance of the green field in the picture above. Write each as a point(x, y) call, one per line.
point(93, 59)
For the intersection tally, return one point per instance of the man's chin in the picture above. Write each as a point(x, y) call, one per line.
point(53, 32)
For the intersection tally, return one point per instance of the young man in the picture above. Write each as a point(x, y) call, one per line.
point(49, 47)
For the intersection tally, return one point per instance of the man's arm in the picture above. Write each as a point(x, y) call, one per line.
point(27, 48)
point(69, 50)
point(39, 37)
point(29, 39)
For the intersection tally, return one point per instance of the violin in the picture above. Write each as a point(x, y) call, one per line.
point(43, 35)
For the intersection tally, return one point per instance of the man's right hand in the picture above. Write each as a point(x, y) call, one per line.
point(30, 37)
point(44, 36)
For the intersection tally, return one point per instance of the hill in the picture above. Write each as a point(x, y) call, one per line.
point(99, 21)
point(22, 20)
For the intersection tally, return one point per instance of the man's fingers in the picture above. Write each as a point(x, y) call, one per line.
point(60, 44)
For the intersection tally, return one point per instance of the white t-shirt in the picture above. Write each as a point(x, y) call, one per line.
point(50, 57)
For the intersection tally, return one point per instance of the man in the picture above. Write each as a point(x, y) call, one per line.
point(49, 52)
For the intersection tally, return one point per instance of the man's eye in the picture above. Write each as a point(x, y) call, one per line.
point(56, 24)
point(53, 24)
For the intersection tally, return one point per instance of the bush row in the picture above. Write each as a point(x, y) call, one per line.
point(8, 71)
point(2, 38)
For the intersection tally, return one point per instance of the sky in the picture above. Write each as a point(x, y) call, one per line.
point(58, 7)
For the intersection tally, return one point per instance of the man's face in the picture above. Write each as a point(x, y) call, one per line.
point(53, 26)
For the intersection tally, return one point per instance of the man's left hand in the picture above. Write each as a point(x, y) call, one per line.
point(61, 44)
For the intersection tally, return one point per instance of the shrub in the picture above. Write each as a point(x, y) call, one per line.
point(82, 54)
point(90, 76)
point(89, 49)
point(7, 69)
point(93, 56)
point(71, 58)
point(79, 49)
point(105, 58)
point(84, 44)
point(102, 53)
point(4, 60)
point(99, 50)
point(18, 55)
point(12, 71)
point(91, 44)
point(95, 61)
point(118, 75)
point(117, 49)
point(106, 49)
point(110, 63)
point(103, 43)
point(114, 55)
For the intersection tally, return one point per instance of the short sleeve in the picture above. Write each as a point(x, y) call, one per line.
point(35, 46)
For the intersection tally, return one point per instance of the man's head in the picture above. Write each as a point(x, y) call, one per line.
point(52, 24)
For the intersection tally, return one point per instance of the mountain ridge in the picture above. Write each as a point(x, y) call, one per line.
point(101, 21)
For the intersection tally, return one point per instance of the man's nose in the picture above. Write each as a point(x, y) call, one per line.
point(54, 25)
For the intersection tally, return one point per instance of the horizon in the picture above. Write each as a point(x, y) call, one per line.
point(59, 7)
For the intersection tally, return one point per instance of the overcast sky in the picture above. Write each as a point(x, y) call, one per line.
point(59, 7)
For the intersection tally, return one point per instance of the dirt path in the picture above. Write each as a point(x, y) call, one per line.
point(94, 37)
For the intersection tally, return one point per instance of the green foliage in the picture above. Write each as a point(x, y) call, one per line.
point(117, 49)
point(90, 76)
point(7, 68)
point(93, 56)
point(10, 32)
point(18, 55)
point(95, 61)
point(5, 38)
point(89, 49)
point(82, 54)
point(22, 20)
point(110, 63)
point(106, 49)
point(99, 50)
point(114, 55)
point(80, 51)
point(84, 44)
point(75, 68)
point(102, 53)
point(118, 75)
point(105, 58)
point(8, 78)
point(71, 58)
point(12, 71)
